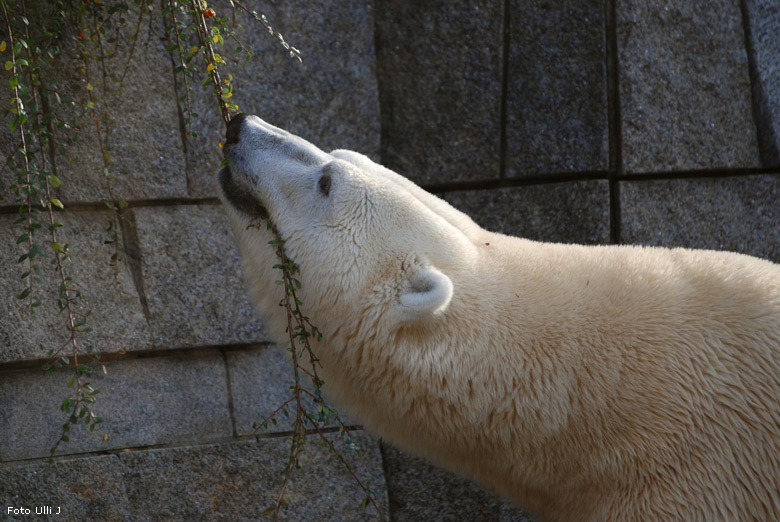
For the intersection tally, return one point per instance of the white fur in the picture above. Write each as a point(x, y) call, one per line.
point(585, 383)
point(427, 291)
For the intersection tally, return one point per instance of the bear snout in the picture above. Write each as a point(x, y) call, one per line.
point(234, 128)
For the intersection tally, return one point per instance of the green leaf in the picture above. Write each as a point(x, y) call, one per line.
point(9, 65)
point(24, 293)
point(57, 203)
point(54, 181)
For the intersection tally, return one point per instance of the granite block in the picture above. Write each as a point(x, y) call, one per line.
point(421, 491)
point(143, 138)
point(69, 490)
point(147, 401)
point(244, 479)
point(576, 212)
point(763, 26)
point(233, 481)
point(330, 98)
point(738, 214)
point(261, 381)
point(116, 313)
point(139, 124)
point(439, 66)
point(191, 275)
point(557, 88)
point(684, 86)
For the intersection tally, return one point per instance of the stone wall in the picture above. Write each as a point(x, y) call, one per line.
point(597, 121)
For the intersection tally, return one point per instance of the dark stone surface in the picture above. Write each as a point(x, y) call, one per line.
point(330, 98)
point(510, 513)
point(557, 91)
point(684, 86)
point(560, 212)
point(192, 277)
point(239, 480)
point(117, 318)
point(439, 69)
point(421, 491)
point(737, 214)
point(234, 481)
point(764, 46)
point(145, 401)
point(75, 489)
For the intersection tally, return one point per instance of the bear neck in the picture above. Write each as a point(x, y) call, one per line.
point(493, 375)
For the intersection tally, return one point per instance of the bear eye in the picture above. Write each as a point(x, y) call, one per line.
point(324, 184)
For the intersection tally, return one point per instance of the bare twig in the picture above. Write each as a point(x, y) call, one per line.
point(131, 53)
point(185, 73)
point(370, 496)
point(261, 19)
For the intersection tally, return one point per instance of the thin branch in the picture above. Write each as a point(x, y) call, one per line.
point(131, 54)
point(261, 19)
point(370, 496)
point(185, 75)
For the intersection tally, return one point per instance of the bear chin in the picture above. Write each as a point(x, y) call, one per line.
point(240, 198)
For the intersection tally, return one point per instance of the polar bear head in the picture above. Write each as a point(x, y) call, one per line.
point(367, 240)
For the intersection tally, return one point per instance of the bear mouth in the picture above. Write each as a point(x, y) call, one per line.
point(240, 197)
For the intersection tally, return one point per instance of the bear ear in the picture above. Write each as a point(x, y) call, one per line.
point(426, 291)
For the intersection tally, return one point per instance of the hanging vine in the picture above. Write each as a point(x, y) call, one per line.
point(92, 31)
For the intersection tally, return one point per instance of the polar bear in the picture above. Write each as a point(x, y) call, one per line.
point(582, 382)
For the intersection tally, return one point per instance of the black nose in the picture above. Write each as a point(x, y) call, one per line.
point(234, 128)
